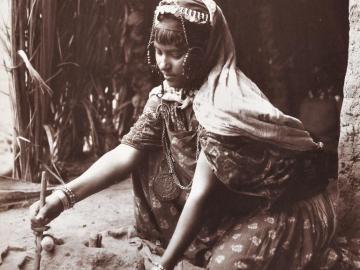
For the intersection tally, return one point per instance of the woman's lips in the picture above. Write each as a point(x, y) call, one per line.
point(169, 78)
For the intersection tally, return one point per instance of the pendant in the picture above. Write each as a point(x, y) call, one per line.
point(164, 187)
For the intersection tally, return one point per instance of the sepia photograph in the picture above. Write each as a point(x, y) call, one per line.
point(179, 134)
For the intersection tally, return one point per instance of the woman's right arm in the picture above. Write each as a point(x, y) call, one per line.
point(112, 166)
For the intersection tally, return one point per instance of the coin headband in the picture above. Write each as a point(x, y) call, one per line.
point(190, 15)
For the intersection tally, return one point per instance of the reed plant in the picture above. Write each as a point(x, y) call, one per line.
point(79, 78)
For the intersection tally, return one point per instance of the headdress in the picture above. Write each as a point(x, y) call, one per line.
point(211, 7)
point(172, 7)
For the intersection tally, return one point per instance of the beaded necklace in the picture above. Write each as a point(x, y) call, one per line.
point(163, 110)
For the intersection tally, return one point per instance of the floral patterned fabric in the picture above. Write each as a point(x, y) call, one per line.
point(263, 170)
point(256, 226)
point(282, 240)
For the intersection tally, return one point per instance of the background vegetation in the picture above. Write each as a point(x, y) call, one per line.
point(90, 55)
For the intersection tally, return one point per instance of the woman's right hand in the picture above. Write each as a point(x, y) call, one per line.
point(40, 216)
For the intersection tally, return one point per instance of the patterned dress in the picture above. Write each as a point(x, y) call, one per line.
point(273, 211)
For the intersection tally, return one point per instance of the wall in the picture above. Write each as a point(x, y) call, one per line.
point(349, 145)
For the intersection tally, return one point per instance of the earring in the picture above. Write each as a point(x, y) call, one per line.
point(148, 57)
point(184, 66)
point(153, 66)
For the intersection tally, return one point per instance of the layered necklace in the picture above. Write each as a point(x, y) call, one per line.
point(181, 95)
point(168, 186)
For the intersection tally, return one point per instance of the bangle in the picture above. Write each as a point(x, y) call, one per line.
point(157, 266)
point(70, 195)
point(63, 198)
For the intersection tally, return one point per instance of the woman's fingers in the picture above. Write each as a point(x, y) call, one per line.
point(42, 214)
point(39, 217)
point(33, 211)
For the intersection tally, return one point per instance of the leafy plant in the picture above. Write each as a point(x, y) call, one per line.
point(81, 64)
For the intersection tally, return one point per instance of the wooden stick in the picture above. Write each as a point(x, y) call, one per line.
point(39, 236)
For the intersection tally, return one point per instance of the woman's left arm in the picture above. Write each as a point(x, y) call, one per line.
point(190, 221)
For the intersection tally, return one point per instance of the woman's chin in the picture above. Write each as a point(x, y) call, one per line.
point(173, 84)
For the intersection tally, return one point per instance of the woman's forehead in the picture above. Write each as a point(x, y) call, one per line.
point(168, 22)
point(167, 47)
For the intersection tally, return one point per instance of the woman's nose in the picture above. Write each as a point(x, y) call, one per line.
point(163, 63)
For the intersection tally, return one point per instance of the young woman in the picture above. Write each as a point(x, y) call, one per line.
point(220, 175)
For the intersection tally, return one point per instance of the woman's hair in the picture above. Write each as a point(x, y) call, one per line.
point(169, 37)
point(196, 34)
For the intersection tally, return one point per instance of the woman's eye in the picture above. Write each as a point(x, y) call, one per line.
point(177, 55)
point(158, 52)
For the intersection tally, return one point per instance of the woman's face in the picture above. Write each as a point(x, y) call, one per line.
point(169, 59)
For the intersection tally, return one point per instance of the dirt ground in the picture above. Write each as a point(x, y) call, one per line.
point(109, 209)
point(108, 213)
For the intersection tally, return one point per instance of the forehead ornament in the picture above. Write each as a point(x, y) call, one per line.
point(211, 6)
point(170, 7)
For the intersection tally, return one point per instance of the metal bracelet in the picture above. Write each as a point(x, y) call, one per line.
point(63, 198)
point(69, 193)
